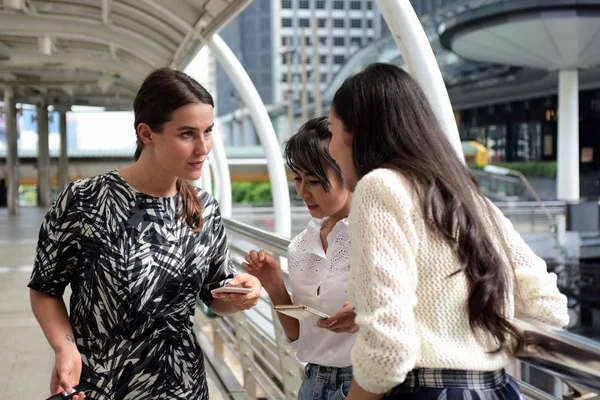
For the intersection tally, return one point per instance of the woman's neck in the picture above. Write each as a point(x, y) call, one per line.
point(144, 177)
point(339, 215)
point(332, 221)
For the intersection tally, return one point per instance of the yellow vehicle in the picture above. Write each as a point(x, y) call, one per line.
point(475, 153)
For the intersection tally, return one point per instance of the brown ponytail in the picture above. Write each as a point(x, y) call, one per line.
point(191, 207)
point(161, 93)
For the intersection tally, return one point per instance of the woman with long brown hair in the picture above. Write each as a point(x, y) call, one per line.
point(437, 273)
point(137, 246)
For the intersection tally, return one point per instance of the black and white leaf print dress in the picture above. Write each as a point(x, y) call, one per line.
point(135, 269)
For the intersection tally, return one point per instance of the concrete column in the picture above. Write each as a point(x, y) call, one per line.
point(222, 174)
point(567, 185)
point(316, 61)
point(63, 161)
point(43, 158)
point(12, 152)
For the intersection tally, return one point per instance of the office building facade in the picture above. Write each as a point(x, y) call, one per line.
point(273, 39)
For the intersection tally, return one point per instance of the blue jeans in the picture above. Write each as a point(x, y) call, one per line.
point(325, 383)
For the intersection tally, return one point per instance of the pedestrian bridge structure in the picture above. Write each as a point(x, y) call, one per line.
point(73, 52)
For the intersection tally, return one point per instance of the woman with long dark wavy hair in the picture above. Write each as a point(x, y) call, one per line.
point(437, 273)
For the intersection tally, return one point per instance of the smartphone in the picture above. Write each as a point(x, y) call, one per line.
point(65, 395)
point(232, 289)
point(299, 312)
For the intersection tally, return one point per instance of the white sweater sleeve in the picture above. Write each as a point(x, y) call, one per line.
point(383, 281)
point(536, 293)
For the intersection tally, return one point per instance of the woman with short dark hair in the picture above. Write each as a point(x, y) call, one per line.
point(319, 260)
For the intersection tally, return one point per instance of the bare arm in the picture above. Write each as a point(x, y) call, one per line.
point(51, 314)
point(291, 326)
point(262, 265)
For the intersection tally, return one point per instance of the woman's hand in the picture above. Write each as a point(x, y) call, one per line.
point(67, 371)
point(242, 301)
point(341, 321)
point(264, 266)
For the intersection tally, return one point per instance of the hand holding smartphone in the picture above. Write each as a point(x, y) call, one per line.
point(65, 395)
point(299, 312)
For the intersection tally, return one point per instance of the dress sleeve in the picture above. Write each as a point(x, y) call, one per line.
point(220, 267)
point(58, 245)
point(383, 282)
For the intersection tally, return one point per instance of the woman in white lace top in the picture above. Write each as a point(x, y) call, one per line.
point(319, 261)
point(437, 273)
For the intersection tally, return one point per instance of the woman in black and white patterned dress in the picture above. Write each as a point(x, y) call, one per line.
point(137, 246)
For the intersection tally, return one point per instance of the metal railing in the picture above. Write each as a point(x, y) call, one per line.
point(528, 216)
point(500, 188)
point(270, 370)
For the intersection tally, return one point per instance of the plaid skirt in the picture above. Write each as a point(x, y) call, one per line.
point(438, 384)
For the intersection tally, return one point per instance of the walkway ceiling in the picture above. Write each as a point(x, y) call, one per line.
point(533, 34)
point(96, 52)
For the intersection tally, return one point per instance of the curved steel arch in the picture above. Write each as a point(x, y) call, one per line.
point(421, 63)
point(264, 128)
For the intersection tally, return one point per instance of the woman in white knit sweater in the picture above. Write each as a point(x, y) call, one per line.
point(437, 273)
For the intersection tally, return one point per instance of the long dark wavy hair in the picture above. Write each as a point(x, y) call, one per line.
point(392, 125)
point(163, 91)
point(308, 151)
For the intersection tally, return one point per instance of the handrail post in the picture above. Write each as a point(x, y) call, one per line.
point(245, 352)
point(288, 363)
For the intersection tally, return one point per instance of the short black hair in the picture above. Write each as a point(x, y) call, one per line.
point(308, 151)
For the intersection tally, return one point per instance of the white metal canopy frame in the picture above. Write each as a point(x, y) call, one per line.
point(421, 63)
point(266, 133)
point(96, 52)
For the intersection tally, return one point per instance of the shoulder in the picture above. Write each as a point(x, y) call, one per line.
point(72, 192)
point(385, 184)
point(100, 188)
point(108, 180)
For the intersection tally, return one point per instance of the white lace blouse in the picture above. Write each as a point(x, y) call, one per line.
point(309, 268)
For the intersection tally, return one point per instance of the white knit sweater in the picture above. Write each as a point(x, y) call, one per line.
point(410, 312)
